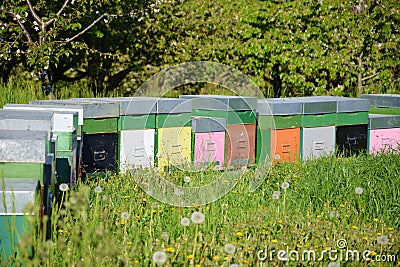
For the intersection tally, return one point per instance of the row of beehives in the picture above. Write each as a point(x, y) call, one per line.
point(53, 141)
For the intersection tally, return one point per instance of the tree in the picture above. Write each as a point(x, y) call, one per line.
point(70, 40)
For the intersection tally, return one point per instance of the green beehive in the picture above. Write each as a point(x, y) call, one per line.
point(15, 194)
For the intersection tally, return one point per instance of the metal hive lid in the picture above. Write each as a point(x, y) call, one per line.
point(45, 108)
point(378, 121)
point(383, 100)
point(91, 109)
point(316, 105)
point(173, 106)
point(278, 106)
point(222, 102)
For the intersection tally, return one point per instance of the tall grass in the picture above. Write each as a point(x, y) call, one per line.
point(318, 209)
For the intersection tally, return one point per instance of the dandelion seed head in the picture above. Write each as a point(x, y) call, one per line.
point(230, 248)
point(275, 195)
point(125, 215)
point(334, 214)
point(285, 185)
point(382, 240)
point(187, 179)
point(333, 264)
point(185, 221)
point(178, 192)
point(98, 189)
point(64, 187)
point(197, 217)
point(358, 190)
point(159, 257)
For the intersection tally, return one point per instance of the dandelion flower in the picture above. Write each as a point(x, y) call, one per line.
point(239, 233)
point(197, 217)
point(333, 264)
point(187, 179)
point(285, 185)
point(159, 257)
point(275, 195)
point(125, 215)
point(185, 221)
point(382, 240)
point(170, 250)
point(98, 189)
point(230, 248)
point(64, 187)
point(358, 190)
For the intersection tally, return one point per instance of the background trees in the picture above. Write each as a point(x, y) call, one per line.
point(287, 47)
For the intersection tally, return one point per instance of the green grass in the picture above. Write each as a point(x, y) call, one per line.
point(319, 208)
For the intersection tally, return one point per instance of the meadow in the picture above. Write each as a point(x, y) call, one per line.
point(332, 211)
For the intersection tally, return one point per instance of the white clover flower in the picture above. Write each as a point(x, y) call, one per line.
point(382, 240)
point(285, 185)
point(125, 215)
point(197, 217)
point(230, 248)
point(358, 190)
point(185, 221)
point(64, 187)
point(159, 257)
point(98, 189)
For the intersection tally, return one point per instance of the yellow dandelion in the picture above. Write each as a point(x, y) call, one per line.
point(245, 261)
point(239, 233)
point(216, 258)
point(354, 227)
point(300, 246)
point(274, 241)
point(365, 238)
point(376, 220)
point(390, 228)
point(190, 256)
point(341, 206)
point(126, 196)
point(61, 231)
point(280, 221)
point(318, 216)
point(129, 243)
point(373, 253)
point(153, 211)
point(226, 258)
point(171, 250)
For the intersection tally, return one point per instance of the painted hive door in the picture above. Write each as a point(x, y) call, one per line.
point(285, 144)
point(318, 141)
point(136, 149)
point(174, 147)
point(351, 139)
point(209, 148)
point(384, 140)
point(241, 144)
point(100, 152)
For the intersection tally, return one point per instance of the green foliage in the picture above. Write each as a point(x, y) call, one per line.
point(288, 48)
